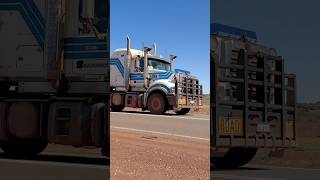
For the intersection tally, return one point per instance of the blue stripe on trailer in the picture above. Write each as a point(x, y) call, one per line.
point(31, 15)
point(85, 55)
point(84, 40)
point(217, 29)
point(85, 47)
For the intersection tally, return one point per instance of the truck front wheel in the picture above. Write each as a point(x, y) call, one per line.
point(234, 158)
point(157, 104)
point(24, 147)
point(183, 111)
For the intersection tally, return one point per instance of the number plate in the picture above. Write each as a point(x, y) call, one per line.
point(182, 102)
point(230, 126)
point(290, 130)
point(263, 128)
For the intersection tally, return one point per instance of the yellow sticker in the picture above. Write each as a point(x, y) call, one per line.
point(182, 102)
point(230, 126)
point(290, 130)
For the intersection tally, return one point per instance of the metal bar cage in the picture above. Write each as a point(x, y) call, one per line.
point(189, 91)
point(255, 101)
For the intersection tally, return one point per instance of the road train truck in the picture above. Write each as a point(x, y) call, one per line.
point(54, 74)
point(140, 79)
point(253, 101)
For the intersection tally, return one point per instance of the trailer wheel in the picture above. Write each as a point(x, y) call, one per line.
point(234, 158)
point(183, 111)
point(117, 108)
point(157, 104)
point(24, 147)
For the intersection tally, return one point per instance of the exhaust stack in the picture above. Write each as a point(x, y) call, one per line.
point(146, 71)
point(128, 45)
point(128, 64)
point(155, 49)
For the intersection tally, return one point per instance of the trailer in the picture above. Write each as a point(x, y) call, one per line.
point(54, 74)
point(253, 101)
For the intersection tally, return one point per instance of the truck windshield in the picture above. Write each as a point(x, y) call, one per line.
point(159, 64)
point(156, 64)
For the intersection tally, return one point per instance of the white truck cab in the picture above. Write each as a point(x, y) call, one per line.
point(155, 87)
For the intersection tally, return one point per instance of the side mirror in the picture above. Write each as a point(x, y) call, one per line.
point(172, 58)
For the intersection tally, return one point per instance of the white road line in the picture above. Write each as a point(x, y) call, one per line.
point(173, 116)
point(161, 133)
point(242, 177)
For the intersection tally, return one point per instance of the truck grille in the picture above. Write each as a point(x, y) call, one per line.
point(188, 91)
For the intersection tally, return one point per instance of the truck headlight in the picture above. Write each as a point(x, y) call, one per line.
point(173, 90)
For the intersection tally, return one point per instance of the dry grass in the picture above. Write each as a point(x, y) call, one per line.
point(205, 109)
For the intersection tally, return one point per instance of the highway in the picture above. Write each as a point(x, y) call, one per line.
point(53, 166)
point(180, 131)
point(260, 172)
point(188, 127)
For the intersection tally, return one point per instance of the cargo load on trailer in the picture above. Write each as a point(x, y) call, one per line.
point(253, 104)
point(54, 74)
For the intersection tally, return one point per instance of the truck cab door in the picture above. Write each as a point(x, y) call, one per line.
point(137, 76)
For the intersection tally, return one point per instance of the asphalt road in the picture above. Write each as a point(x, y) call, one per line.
point(190, 127)
point(53, 167)
point(259, 172)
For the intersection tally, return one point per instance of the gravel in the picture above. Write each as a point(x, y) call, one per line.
point(137, 156)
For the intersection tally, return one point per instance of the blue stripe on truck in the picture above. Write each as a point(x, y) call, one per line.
point(116, 62)
point(30, 14)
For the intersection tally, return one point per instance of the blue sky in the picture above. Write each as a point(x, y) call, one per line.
point(178, 27)
point(292, 27)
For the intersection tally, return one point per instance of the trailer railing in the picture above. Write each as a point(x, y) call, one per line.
point(253, 100)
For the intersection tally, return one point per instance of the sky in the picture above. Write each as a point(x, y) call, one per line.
point(290, 26)
point(177, 27)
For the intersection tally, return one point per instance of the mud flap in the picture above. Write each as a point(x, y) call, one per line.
point(3, 114)
point(97, 124)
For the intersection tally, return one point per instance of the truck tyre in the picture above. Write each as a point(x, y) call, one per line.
point(183, 111)
point(234, 158)
point(117, 108)
point(157, 104)
point(24, 147)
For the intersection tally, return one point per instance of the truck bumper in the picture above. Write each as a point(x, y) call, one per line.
point(171, 100)
point(178, 103)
